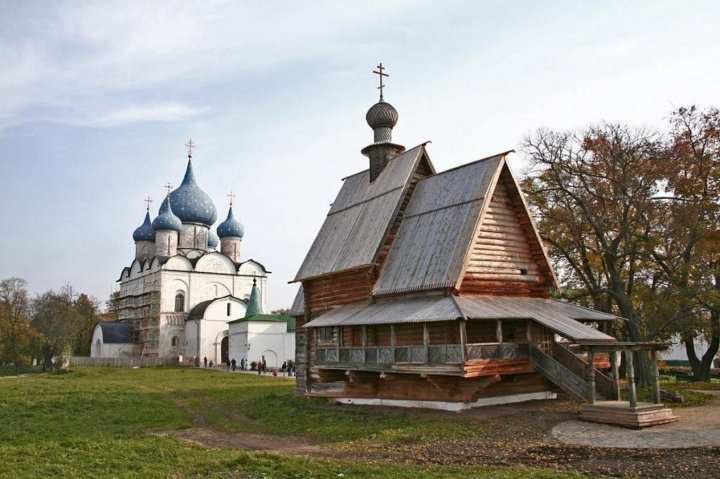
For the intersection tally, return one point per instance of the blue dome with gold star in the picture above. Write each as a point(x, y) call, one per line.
point(166, 220)
point(190, 203)
point(145, 231)
point(230, 228)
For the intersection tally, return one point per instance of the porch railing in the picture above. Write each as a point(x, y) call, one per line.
point(418, 354)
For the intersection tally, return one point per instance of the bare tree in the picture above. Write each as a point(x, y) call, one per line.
point(593, 193)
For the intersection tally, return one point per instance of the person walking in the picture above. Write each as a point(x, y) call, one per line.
point(205, 361)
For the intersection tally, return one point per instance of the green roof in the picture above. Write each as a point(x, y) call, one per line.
point(270, 318)
point(254, 308)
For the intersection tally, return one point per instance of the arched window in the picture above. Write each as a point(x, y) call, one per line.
point(174, 341)
point(228, 309)
point(179, 303)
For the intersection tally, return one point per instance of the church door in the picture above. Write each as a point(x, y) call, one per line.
point(224, 350)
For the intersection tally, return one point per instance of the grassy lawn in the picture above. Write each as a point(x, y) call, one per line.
point(97, 422)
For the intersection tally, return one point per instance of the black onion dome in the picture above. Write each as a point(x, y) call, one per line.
point(382, 114)
point(190, 203)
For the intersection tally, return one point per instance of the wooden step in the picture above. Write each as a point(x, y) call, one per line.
point(620, 413)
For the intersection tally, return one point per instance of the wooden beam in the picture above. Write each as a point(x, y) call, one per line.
point(655, 376)
point(591, 375)
point(631, 378)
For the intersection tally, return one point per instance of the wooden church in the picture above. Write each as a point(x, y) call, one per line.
point(433, 290)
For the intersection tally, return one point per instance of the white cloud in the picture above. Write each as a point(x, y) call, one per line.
point(144, 113)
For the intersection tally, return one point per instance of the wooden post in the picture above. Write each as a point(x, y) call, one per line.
point(364, 344)
point(463, 341)
point(615, 359)
point(426, 342)
point(392, 341)
point(591, 374)
point(498, 330)
point(631, 378)
point(655, 377)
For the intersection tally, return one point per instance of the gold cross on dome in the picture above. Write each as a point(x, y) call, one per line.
point(190, 146)
point(232, 197)
point(148, 200)
point(168, 187)
point(379, 72)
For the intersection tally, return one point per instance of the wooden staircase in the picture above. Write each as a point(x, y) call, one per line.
point(567, 371)
point(560, 375)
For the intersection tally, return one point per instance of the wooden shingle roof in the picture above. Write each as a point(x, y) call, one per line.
point(359, 218)
point(431, 245)
point(558, 316)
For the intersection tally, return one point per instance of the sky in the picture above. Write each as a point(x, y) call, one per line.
point(98, 98)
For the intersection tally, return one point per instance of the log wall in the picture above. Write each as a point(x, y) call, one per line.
point(506, 257)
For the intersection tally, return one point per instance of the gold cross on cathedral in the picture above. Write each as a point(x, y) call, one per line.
point(379, 72)
point(148, 200)
point(190, 146)
point(232, 197)
point(168, 187)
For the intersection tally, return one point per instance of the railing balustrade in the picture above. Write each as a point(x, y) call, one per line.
point(419, 354)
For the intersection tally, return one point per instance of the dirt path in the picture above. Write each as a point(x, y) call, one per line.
point(514, 434)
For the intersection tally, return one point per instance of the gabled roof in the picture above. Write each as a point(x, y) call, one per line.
point(360, 217)
point(298, 306)
point(558, 316)
point(437, 232)
point(430, 247)
point(198, 311)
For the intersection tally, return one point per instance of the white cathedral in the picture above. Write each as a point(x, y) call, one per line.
point(182, 298)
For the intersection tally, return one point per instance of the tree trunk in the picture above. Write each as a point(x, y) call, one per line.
point(643, 375)
point(701, 366)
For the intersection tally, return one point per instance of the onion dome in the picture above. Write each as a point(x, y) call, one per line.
point(254, 305)
point(190, 203)
point(213, 240)
point(382, 114)
point(230, 228)
point(145, 231)
point(166, 219)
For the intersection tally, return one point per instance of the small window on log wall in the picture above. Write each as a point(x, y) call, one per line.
point(514, 331)
point(444, 333)
point(352, 336)
point(481, 331)
point(326, 335)
point(409, 334)
point(378, 335)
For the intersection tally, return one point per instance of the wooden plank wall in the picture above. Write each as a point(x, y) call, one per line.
point(506, 258)
point(323, 294)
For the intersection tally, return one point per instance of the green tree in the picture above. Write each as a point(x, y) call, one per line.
point(15, 332)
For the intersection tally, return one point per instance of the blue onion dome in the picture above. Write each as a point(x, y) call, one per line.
point(213, 240)
point(230, 228)
point(382, 114)
point(190, 203)
point(145, 231)
point(166, 219)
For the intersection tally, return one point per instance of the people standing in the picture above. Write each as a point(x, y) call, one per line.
point(232, 363)
point(205, 361)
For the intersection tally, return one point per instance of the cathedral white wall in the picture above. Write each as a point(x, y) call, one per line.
point(269, 339)
point(144, 250)
point(193, 236)
point(166, 243)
